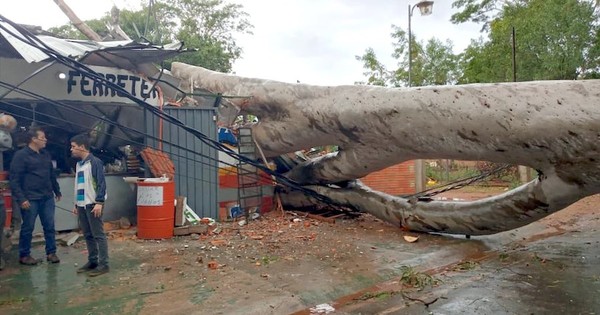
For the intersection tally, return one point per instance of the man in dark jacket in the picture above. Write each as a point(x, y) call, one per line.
point(34, 185)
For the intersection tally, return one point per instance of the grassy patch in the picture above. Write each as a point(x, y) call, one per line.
point(377, 295)
point(412, 278)
point(265, 260)
point(13, 301)
point(465, 265)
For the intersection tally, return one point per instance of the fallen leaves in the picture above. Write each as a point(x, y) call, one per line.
point(411, 239)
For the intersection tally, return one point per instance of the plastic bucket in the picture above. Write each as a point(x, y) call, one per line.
point(155, 209)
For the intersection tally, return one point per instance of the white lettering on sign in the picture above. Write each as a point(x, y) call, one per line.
point(150, 196)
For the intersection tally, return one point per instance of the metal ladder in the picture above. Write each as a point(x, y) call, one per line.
point(249, 188)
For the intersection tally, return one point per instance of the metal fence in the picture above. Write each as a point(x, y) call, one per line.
point(196, 164)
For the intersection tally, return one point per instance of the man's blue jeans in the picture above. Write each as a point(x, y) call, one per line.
point(45, 209)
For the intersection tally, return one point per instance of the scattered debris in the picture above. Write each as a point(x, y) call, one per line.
point(322, 309)
point(321, 218)
point(419, 280)
point(411, 239)
point(71, 240)
point(190, 229)
point(180, 203)
point(219, 242)
point(213, 265)
point(190, 215)
point(68, 239)
point(124, 223)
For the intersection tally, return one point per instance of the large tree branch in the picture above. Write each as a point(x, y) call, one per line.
point(78, 23)
point(552, 126)
point(511, 210)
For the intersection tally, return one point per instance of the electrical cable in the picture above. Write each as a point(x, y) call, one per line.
point(75, 65)
point(210, 166)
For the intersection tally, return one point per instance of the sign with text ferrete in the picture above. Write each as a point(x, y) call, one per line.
point(60, 83)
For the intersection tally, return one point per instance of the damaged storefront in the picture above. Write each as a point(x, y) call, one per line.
point(37, 90)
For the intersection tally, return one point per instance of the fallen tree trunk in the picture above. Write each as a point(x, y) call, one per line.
point(552, 126)
point(513, 209)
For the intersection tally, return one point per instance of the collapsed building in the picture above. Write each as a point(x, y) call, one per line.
point(52, 82)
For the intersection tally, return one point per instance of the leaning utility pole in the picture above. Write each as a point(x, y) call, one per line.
point(78, 23)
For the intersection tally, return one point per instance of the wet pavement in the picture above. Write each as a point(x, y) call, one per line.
point(559, 275)
point(357, 267)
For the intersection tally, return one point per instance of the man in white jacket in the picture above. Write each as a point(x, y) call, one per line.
point(90, 194)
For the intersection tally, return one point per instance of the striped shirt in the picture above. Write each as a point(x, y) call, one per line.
point(90, 185)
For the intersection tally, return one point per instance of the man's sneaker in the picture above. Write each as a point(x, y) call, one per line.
point(52, 258)
point(100, 270)
point(28, 260)
point(87, 267)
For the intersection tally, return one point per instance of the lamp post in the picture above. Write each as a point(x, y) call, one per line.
point(426, 7)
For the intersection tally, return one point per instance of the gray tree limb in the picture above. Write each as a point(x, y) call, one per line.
point(78, 23)
point(552, 126)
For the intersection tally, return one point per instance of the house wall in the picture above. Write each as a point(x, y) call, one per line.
point(394, 180)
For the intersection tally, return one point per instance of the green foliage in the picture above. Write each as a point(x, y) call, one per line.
point(440, 175)
point(410, 277)
point(375, 71)
point(465, 265)
point(432, 64)
point(268, 259)
point(478, 11)
point(377, 295)
point(207, 28)
point(156, 24)
point(66, 31)
point(439, 65)
point(555, 40)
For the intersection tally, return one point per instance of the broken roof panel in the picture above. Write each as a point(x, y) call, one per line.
point(122, 54)
point(28, 52)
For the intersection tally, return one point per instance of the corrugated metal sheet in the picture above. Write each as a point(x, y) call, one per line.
point(121, 54)
point(196, 172)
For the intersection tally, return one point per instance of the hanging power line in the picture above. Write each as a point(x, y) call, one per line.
point(208, 165)
point(33, 41)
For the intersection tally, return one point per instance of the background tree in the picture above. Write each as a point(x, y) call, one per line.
point(556, 39)
point(432, 64)
point(207, 27)
point(477, 11)
point(375, 71)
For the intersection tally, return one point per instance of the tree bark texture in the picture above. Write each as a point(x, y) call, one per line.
point(551, 126)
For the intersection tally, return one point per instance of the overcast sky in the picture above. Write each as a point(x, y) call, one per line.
point(313, 41)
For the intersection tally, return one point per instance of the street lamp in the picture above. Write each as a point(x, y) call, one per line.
point(426, 7)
